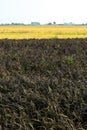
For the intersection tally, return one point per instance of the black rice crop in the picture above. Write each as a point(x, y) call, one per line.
point(43, 84)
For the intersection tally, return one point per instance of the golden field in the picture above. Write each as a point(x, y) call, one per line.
point(27, 32)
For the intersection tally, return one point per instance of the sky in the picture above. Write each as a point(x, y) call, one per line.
point(43, 11)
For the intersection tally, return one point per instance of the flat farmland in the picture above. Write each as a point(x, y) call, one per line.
point(27, 32)
point(43, 84)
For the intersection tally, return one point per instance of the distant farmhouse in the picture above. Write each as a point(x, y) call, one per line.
point(35, 23)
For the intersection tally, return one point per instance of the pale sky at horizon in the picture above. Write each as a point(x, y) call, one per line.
point(43, 11)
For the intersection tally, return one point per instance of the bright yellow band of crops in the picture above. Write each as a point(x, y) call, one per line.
point(26, 32)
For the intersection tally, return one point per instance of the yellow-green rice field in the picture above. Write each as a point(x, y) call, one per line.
point(27, 32)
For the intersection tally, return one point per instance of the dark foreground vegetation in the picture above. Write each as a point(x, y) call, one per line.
point(43, 84)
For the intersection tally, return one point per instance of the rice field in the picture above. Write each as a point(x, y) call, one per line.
point(43, 84)
point(27, 32)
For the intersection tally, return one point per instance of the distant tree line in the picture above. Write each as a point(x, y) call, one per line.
point(38, 23)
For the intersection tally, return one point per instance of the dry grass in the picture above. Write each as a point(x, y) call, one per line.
point(27, 32)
